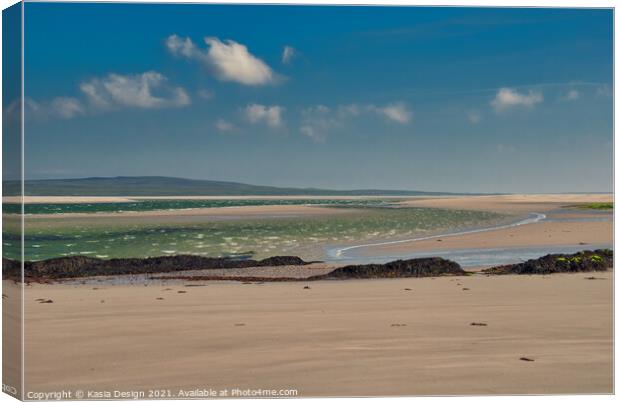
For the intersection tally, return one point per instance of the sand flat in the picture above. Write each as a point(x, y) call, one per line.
point(531, 235)
point(236, 212)
point(510, 203)
point(358, 337)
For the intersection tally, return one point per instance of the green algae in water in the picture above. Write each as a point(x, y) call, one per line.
point(306, 237)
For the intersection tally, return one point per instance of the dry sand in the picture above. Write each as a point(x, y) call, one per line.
point(510, 203)
point(358, 337)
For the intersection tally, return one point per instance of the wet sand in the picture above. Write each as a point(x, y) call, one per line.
point(357, 337)
point(531, 235)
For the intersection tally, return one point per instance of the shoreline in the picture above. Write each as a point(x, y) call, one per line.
point(339, 253)
point(540, 231)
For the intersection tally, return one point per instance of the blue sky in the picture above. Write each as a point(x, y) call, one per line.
point(447, 99)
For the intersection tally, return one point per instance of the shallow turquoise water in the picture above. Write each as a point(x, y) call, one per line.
point(307, 237)
point(163, 205)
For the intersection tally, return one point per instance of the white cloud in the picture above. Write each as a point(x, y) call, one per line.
point(507, 98)
point(60, 107)
point(397, 112)
point(473, 117)
point(228, 60)
point(66, 108)
point(147, 90)
point(184, 47)
point(288, 53)
point(223, 125)
point(270, 115)
point(571, 95)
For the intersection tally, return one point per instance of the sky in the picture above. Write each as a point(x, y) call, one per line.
point(436, 99)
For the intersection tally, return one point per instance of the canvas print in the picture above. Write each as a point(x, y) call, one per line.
point(285, 201)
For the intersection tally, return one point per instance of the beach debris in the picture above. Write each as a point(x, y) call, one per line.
point(45, 301)
point(478, 324)
point(240, 324)
point(407, 289)
point(194, 285)
point(398, 325)
point(465, 288)
point(592, 278)
point(181, 291)
point(306, 287)
point(159, 298)
point(439, 240)
point(4, 296)
point(102, 301)
point(526, 359)
point(164, 290)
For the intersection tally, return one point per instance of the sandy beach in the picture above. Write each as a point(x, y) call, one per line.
point(359, 337)
point(342, 338)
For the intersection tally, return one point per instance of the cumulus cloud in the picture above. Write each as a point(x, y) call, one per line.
point(507, 98)
point(288, 53)
point(148, 90)
point(397, 112)
point(228, 60)
point(270, 115)
point(224, 126)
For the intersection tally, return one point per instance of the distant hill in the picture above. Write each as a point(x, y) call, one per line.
point(172, 186)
